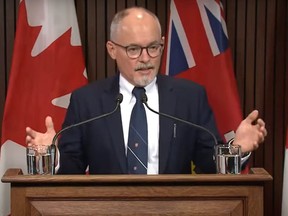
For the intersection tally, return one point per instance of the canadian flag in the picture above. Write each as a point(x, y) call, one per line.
point(285, 180)
point(47, 65)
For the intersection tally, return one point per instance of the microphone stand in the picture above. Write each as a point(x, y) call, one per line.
point(145, 99)
point(53, 147)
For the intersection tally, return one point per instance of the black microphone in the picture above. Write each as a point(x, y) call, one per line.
point(119, 100)
point(145, 99)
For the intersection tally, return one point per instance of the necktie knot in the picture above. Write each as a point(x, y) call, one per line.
point(138, 93)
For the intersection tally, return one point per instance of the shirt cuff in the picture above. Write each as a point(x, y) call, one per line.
point(244, 157)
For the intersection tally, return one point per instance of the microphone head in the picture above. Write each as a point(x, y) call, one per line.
point(144, 98)
point(119, 98)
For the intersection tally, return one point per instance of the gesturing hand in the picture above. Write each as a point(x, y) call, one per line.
point(251, 132)
point(35, 138)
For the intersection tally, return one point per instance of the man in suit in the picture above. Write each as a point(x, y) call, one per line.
point(136, 45)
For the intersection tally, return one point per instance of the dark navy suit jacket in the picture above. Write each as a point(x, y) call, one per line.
point(100, 144)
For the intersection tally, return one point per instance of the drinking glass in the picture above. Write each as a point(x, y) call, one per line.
point(39, 160)
point(228, 159)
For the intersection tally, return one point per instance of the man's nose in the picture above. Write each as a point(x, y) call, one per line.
point(144, 57)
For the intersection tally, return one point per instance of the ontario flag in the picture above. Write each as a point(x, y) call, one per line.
point(197, 49)
point(285, 180)
point(47, 65)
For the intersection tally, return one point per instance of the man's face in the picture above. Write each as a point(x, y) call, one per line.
point(137, 29)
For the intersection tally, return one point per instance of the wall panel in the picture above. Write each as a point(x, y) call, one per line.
point(268, 113)
point(3, 66)
point(8, 13)
point(239, 47)
point(279, 124)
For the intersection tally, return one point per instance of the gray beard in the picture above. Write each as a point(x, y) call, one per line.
point(144, 81)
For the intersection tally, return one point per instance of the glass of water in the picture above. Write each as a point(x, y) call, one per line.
point(228, 159)
point(31, 160)
point(39, 160)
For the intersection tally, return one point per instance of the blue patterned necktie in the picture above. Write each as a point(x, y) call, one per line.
point(138, 136)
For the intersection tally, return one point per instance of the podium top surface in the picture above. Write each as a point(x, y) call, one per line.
point(256, 175)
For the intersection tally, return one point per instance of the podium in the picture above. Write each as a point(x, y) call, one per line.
point(202, 194)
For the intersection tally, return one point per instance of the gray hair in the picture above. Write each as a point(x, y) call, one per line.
point(122, 14)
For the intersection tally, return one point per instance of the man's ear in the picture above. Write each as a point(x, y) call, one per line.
point(111, 49)
point(163, 40)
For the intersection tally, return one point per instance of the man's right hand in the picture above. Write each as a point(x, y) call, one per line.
point(35, 138)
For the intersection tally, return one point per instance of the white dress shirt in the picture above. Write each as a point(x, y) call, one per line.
point(152, 119)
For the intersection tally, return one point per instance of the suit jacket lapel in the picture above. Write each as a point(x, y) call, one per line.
point(114, 124)
point(167, 105)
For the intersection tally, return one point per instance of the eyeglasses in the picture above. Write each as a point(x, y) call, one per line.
point(134, 51)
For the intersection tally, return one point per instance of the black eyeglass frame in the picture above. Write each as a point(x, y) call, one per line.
point(147, 49)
